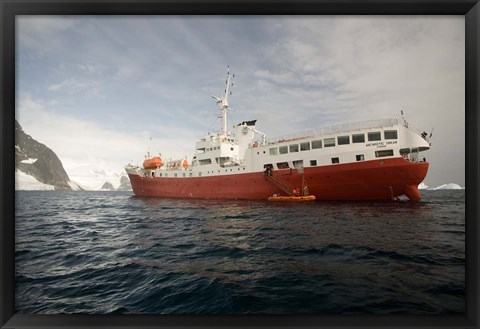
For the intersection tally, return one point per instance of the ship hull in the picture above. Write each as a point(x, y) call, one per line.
point(365, 180)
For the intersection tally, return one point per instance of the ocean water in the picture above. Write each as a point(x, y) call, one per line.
point(112, 252)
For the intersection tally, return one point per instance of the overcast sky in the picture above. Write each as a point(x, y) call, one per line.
point(95, 89)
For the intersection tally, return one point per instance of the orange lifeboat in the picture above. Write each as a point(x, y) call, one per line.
point(153, 163)
point(185, 164)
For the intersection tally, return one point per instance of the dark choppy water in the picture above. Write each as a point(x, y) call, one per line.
point(110, 252)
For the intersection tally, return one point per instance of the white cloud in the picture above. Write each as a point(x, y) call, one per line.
point(77, 86)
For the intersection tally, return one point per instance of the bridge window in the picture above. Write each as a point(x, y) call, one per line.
point(391, 134)
point(317, 144)
point(384, 153)
point(329, 142)
point(374, 136)
point(294, 148)
point(358, 138)
point(343, 140)
point(273, 151)
point(305, 146)
point(283, 149)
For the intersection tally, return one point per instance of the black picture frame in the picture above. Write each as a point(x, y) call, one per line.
point(11, 8)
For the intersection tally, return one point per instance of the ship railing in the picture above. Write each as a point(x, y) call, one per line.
point(335, 129)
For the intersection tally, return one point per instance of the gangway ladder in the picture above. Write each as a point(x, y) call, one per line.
point(281, 185)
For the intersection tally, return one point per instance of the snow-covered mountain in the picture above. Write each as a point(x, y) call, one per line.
point(37, 167)
point(96, 181)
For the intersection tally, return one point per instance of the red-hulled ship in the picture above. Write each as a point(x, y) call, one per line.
point(369, 160)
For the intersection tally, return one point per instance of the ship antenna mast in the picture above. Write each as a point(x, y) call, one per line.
point(223, 102)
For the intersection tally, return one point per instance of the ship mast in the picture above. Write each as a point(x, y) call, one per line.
point(223, 102)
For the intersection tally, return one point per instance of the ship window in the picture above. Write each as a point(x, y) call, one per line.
point(383, 153)
point(313, 162)
point(183, 174)
point(205, 161)
point(317, 144)
point(175, 175)
point(294, 148)
point(343, 140)
point(335, 160)
point(273, 151)
point(329, 142)
point(358, 138)
point(298, 164)
point(283, 149)
point(375, 136)
point(190, 174)
point(166, 175)
point(391, 134)
point(160, 175)
point(199, 174)
point(282, 165)
point(360, 157)
point(231, 149)
point(404, 151)
point(305, 146)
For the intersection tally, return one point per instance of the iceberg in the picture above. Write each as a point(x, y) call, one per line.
point(449, 186)
point(423, 186)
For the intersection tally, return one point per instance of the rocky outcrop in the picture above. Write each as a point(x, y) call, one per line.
point(125, 184)
point(39, 161)
point(108, 186)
